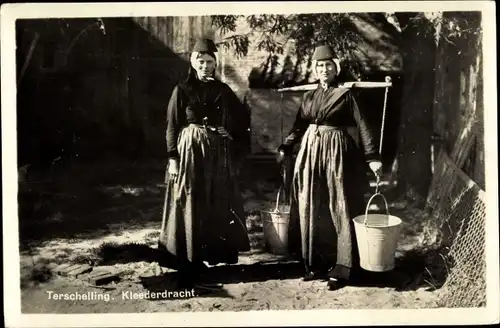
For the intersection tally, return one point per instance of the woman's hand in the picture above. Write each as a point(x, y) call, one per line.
point(223, 132)
point(376, 167)
point(173, 168)
point(280, 158)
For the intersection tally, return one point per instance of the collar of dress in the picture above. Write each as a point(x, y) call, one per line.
point(325, 86)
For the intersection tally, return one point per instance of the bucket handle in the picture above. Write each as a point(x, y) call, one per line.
point(369, 203)
point(278, 198)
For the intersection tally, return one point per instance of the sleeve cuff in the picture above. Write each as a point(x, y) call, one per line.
point(285, 149)
point(173, 154)
point(372, 158)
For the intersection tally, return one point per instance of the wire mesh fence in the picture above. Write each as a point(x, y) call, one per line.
point(457, 205)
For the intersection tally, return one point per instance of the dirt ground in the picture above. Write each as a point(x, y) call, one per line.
point(97, 219)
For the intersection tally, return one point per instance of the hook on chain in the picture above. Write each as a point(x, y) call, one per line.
point(377, 185)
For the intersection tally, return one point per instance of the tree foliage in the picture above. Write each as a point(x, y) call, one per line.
point(273, 32)
point(445, 28)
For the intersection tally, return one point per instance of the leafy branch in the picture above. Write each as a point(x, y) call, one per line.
point(445, 27)
point(274, 33)
point(239, 43)
point(302, 31)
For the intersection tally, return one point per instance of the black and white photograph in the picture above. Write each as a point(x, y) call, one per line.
point(249, 163)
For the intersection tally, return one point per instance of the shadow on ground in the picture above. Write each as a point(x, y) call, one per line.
point(412, 270)
point(85, 201)
point(88, 213)
point(231, 274)
point(88, 201)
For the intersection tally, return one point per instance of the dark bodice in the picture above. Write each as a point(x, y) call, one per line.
point(329, 107)
point(193, 101)
point(334, 107)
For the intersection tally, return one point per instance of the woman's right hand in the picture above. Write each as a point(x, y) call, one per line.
point(280, 158)
point(173, 168)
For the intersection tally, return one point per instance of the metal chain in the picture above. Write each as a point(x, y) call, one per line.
point(387, 79)
point(382, 127)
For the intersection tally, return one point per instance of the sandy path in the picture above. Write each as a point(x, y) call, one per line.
point(272, 294)
point(129, 217)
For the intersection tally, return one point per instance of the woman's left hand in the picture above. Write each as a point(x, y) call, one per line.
point(376, 167)
point(223, 132)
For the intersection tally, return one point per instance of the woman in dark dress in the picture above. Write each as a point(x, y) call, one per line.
point(329, 180)
point(207, 129)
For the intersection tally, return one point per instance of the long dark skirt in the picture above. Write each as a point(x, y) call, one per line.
point(328, 190)
point(203, 216)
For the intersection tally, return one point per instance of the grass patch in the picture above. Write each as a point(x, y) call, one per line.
point(37, 274)
point(254, 223)
point(152, 237)
point(114, 253)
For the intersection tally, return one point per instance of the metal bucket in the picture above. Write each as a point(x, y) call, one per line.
point(377, 238)
point(275, 225)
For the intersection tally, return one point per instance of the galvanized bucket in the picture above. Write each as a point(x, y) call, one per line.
point(275, 225)
point(377, 238)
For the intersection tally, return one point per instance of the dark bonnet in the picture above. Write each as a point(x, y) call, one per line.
point(324, 52)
